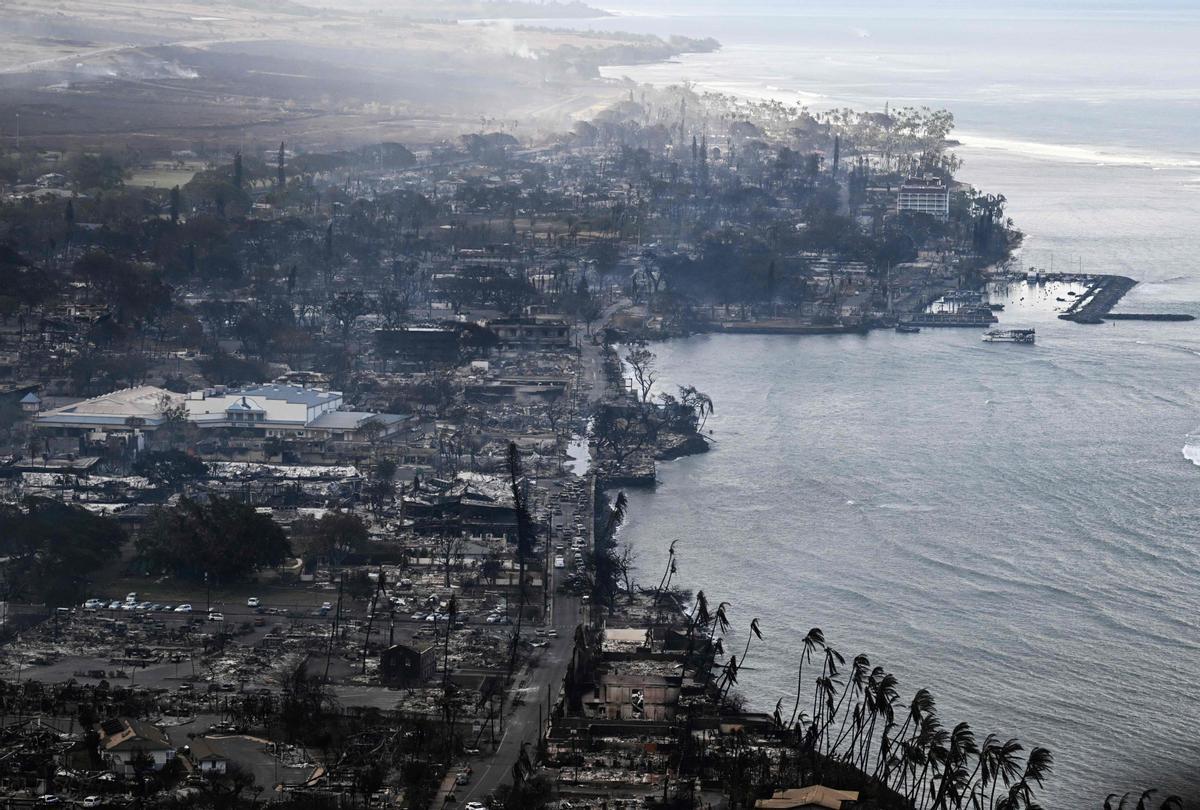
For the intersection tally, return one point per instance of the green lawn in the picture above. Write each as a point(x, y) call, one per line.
point(163, 176)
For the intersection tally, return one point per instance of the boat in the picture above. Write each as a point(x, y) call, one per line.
point(907, 328)
point(1009, 336)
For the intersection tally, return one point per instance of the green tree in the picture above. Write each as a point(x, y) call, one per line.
point(223, 539)
point(337, 535)
point(170, 468)
point(48, 549)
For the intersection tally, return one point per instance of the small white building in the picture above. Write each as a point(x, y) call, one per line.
point(205, 757)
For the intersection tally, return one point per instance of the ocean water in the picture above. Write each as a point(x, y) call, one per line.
point(1013, 527)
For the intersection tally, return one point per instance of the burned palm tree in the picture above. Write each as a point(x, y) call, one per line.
point(698, 618)
point(665, 581)
point(754, 631)
point(720, 622)
point(728, 678)
point(525, 539)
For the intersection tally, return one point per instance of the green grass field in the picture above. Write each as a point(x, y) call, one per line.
point(164, 175)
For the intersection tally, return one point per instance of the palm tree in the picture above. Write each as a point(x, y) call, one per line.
point(1001, 765)
point(825, 689)
point(814, 639)
point(921, 705)
point(955, 775)
point(754, 631)
point(855, 684)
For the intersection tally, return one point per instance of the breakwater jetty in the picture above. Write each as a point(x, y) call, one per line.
point(1148, 316)
point(1103, 293)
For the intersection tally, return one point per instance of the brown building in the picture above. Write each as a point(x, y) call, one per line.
point(402, 665)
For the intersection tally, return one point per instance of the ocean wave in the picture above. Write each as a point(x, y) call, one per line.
point(1076, 153)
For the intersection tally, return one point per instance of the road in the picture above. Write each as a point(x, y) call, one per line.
point(539, 690)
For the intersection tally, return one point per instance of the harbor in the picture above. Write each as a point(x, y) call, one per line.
point(1103, 293)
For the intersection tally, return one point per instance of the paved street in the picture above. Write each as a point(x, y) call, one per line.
point(540, 690)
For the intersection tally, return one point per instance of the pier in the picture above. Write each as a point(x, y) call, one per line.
point(963, 320)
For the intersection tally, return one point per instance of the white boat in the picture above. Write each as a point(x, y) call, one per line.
point(1009, 336)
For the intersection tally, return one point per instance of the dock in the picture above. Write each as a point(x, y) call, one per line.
point(959, 320)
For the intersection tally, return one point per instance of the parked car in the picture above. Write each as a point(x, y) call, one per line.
point(326, 606)
point(114, 605)
point(184, 608)
point(93, 604)
point(462, 778)
point(216, 617)
point(91, 801)
point(559, 562)
point(252, 602)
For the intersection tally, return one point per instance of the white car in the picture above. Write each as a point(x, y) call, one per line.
point(184, 608)
point(252, 602)
point(114, 605)
point(559, 562)
point(93, 604)
point(327, 606)
point(91, 801)
point(216, 617)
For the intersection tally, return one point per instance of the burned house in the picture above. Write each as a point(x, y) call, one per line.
point(472, 505)
point(419, 344)
point(534, 332)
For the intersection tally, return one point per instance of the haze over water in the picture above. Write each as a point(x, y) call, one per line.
point(1013, 527)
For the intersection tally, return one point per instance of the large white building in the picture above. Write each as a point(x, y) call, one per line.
point(924, 195)
point(270, 407)
point(268, 410)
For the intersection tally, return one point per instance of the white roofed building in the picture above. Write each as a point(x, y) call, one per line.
point(274, 409)
point(271, 410)
point(128, 410)
point(924, 195)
